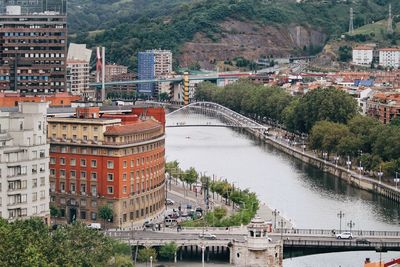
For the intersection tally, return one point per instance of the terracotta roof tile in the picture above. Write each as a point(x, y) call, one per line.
point(137, 127)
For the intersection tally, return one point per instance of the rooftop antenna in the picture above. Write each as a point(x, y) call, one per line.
point(351, 25)
point(390, 21)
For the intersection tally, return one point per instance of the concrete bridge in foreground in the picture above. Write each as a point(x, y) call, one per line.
point(296, 242)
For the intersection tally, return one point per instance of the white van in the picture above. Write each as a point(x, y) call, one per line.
point(96, 226)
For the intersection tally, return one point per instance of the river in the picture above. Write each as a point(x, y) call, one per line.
point(307, 196)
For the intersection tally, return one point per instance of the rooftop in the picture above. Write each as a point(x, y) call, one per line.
point(137, 127)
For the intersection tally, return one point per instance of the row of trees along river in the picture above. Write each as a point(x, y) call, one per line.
point(329, 117)
point(246, 201)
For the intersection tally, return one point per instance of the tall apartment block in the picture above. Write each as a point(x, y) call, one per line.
point(24, 161)
point(33, 52)
point(78, 71)
point(35, 6)
point(115, 160)
point(153, 64)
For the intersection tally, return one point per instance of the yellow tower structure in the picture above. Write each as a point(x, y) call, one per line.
point(186, 88)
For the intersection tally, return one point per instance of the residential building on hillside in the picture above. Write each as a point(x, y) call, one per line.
point(33, 52)
point(115, 160)
point(122, 90)
point(384, 106)
point(389, 57)
point(24, 161)
point(153, 64)
point(363, 55)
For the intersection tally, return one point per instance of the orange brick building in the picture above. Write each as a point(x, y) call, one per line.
point(55, 100)
point(385, 106)
point(115, 160)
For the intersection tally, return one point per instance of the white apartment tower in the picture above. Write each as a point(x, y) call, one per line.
point(389, 57)
point(24, 163)
point(162, 62)
point(78, 68)
point(363, 55)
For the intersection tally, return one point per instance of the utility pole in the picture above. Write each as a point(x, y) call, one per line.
point(340, 215)
point(351, 25)
point(390, 21)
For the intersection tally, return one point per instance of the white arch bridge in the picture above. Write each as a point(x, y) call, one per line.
point(209, 114)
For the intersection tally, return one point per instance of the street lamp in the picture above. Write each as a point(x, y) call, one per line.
point(275, 213)
point(336, 160)
point(348, 163)
point(351, 225)
point(396, 180)
point(340, 215)
point(202, 255)
point(325, 155)
point(151, 261)
point(282, 223)
point(380, 174)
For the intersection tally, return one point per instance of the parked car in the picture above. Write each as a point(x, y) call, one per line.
point(96, 226)
point(344, 235)
point(169, 201)
point(149, 225)
point(199, 210)
point(208, 236)
point(363, 241)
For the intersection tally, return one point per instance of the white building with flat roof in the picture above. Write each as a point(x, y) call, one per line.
point(389, 57)
point(363, 55)
point(78, 68)
point(24, 163)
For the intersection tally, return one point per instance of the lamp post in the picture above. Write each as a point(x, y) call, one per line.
point(336, 160)
point(351, 225)
point(282, 223)
point(151, 261)
point(324, 155)
point(348, 163)
point(202, 255)
point(340, 215)
point(396, 180)
point(275, 213)
point(380, 174)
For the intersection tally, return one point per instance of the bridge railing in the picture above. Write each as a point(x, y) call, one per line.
point(325, 232)
point(340, 243)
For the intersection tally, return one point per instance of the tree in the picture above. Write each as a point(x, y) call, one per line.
point(191, 176)
point(168, 251)
point(144, 254)
point(345, 53)
point(54, 212)
point(326, 135)
point(106, 213)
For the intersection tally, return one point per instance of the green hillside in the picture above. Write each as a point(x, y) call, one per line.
point(128, 26)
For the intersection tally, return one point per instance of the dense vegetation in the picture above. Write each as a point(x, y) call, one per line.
point(128, 26)
point(328, 115)
point(32, 243)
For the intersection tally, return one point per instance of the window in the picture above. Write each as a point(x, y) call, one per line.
point(62, 173)
point(93, 175)
point(83, 214)
point(62, 161)
point(110, 177)
point(110, 190)
point(124, 177)
point(72, 187)
point(110, 164)
point(83, 189)
point(132, 163)
point(94, 163)
point(93, 189)
point(124, 189)
point(62, 187)
point(34, 183)
point(83, 175)
point(72, 162)
point(124, 164)
point(83, 162)
point(42, 181)
point(52, 160)
point(34, 196)
point(72, 174)
point(94, 216)
point(52, 172)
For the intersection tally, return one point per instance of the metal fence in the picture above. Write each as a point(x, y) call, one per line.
point(325, 232)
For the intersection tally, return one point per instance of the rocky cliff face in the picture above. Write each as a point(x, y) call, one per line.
point(249, 40)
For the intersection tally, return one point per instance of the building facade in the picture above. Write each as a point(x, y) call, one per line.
point(114, 70)
point(153, 64)
point(389, 57)
point(24, 161)
point(78, 78)
point(33, 53)
point(116, 160)
point(363, 55)
point(384, 106)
